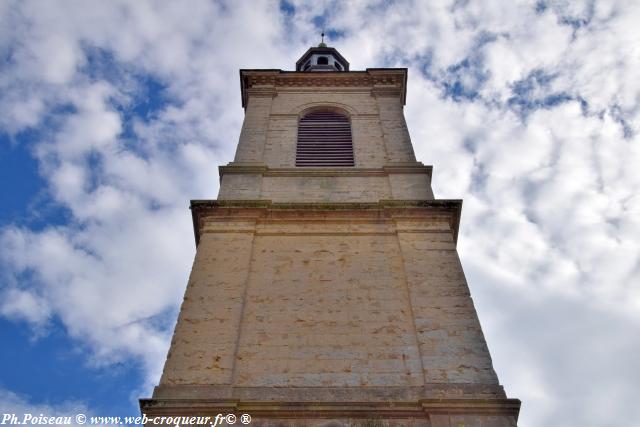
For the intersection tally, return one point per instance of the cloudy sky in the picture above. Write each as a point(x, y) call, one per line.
point(114, 114)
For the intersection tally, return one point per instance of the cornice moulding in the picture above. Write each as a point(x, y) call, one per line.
point(387, 77)
point(448, 210)
point(390, 168)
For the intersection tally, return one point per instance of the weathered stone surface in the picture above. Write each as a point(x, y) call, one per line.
point(203, 345)
point(379, 133)
point(338, 300)
point(329, 296)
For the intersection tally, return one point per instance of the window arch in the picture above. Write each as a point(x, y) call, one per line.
point(324, 139)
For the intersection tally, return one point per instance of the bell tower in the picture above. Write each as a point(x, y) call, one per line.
point(326, 287)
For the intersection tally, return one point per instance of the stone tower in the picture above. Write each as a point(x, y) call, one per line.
point(326, 288)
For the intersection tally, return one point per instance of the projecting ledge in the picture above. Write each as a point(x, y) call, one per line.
point(385, 170)
point(265, 210)
point(331, 402)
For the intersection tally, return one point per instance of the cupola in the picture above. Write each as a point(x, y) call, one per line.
point(322, 58)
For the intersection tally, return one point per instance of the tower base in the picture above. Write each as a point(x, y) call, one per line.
point(459, 405)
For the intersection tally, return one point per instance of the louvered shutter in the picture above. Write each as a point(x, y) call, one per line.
point(324, 139)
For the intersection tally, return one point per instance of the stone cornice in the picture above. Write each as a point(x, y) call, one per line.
point(312, 403)
point(384, 81)
point(364, 410)
point(250, 210)
point(262, 169)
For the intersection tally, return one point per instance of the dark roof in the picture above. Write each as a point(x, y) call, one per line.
point(322, 50)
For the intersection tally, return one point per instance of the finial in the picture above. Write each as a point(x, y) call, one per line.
point(322, 40)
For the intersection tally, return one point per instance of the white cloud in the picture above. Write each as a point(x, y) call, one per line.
point(550, 226)
point(127, 193)
point(24, 305)
point(20, 406)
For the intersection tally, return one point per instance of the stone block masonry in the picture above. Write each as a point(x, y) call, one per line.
point(329, 296)
point(286, 303)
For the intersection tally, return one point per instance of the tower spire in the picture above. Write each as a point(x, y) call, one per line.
point(322, 43)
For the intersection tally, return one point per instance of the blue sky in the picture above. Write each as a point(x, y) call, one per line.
point(114, 114)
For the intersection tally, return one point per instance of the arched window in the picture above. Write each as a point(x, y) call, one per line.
point(323, 60)
point(324, 139)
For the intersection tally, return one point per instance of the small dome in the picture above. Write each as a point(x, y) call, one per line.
point(322, 58)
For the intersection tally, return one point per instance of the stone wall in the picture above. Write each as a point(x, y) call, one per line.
point(338, 298)
point(328, 185)
point(329, 296)
point(269, 131)
point(380, 137)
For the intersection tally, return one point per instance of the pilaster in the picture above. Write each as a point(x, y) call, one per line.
point(256, 124)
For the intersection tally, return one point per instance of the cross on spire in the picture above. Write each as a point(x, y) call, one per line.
point(322, 44)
